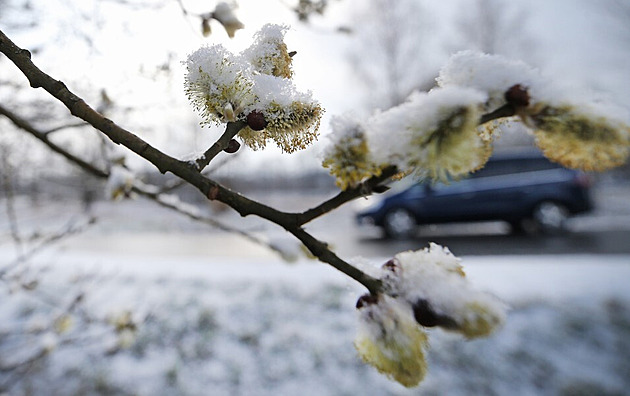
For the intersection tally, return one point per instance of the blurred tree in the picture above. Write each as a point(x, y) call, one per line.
point(493, 27)
point(388, 45)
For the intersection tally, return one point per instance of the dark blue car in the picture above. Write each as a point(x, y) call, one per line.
point(526, 190)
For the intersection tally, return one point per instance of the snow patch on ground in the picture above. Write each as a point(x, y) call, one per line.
point(227, 326)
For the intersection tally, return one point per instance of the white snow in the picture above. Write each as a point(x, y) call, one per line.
point(231, 325)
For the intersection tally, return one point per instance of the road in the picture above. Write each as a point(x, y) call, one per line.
point(140, 227)
point(595, 242)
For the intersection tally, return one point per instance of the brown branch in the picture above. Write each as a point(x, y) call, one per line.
point(232, 129)
point(62, 127)
point(150, 192)
point(177, 183)
point(365, 188)
point(164, 163)
point(42, 136)
point(291, 222)
point(507, 110)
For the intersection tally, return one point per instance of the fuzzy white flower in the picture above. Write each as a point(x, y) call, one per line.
point(578, 137)
point(217, 84)
point(425, 288)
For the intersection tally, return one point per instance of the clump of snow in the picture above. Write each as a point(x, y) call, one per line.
point(492, 74)
point(268, 54)
point(435, 277)
point(432, 134)
point(407, 135)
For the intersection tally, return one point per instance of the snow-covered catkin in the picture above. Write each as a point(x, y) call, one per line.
point(421, 289)
point(224, 87)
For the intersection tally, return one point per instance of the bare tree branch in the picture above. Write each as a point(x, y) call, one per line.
point(364, 189)
point(151, 192)
point(67, 126)
point(507, 110)
point(232, 129)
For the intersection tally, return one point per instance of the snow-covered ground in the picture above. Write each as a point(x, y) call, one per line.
point(164, 313)
point(230, 326)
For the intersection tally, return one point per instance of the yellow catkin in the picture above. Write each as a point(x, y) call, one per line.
point(580, 141)
point(395, 347)
point(291, 127)
point(350, 162)
point(453, 148)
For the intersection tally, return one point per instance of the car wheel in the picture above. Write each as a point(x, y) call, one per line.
point(550, 217)
point(399, 224)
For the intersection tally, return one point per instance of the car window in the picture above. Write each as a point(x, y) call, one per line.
point(514, 166)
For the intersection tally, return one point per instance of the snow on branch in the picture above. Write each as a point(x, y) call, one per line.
point(448, 132)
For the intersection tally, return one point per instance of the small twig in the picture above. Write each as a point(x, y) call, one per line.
point(231, 130)
point(216, 165)
point(151, 192)
point(69, 230)
point(507, 110)
point(62, 127)
point(7, 186)
point(367, 187)
point(25, 125)
point(172, 202)
point(341, 198)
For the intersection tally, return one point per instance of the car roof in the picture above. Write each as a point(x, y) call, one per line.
point(517, 154)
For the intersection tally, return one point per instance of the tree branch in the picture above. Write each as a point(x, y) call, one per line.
point(62, 127)
point(42, 136)
point(232, 129)
point(211, 189)
point(147, 191)
point(507, 110)
point(365, 188)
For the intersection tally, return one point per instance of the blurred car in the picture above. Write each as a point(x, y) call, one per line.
point(525, 190)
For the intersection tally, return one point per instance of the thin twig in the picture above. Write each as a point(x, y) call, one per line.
point(62, 127)
point(507, 110)
point(231, 130)
point(7, 186)
point(68, 230)
point(365, 188)
point(151, 192)
point(174, 184)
